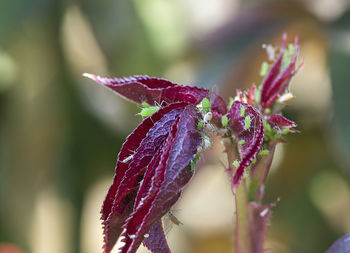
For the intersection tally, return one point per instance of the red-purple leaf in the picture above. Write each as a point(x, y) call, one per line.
point(249, 136)
point(277, 80)
point(148, 136)
point(159, 192)
point(158, 91)
point(153, 178)
point(342, 245)
point(280, 121)
point(156, 241)
point(274, 71)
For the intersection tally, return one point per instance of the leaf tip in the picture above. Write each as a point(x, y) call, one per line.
point(90, 76)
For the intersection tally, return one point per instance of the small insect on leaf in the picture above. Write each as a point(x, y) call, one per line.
point(264, 152)
point(148, 111)
point(287, 57)
point(235, 163)
point(242, 111)
point(224, 120)
point(291, 49)
point(254, 160)
point(199, 125)
point(206, 104)
point(264, 68)
point(246, 122)
point(257, 95)
point(241, 142)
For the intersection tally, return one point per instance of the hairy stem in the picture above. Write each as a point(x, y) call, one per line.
point(242, 239)
point(251, 218)
point(242, 227)
point(258, 175)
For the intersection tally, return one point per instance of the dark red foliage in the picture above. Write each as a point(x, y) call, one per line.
point(281, 122)
point(153, 165)
point(139, 147)
point(164, 180)
point(252, 137)
point(148, 182)
point(159, 91)
point(277, 80)
point(156, 241)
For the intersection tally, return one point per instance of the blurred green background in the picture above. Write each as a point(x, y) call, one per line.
point(60, 133)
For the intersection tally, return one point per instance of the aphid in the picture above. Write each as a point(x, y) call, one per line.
point(246, 122)
point(291, 49)
point(224, 120)
point(206, 104)
point(264, 68)
point(257, 95)
point(146, 235)
point(241, 142)
point(254, 160)
point(148, 111)
point(287, 57)
point(199, 125)
point(264, 152)
point(235, 163)
point(242, 111)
